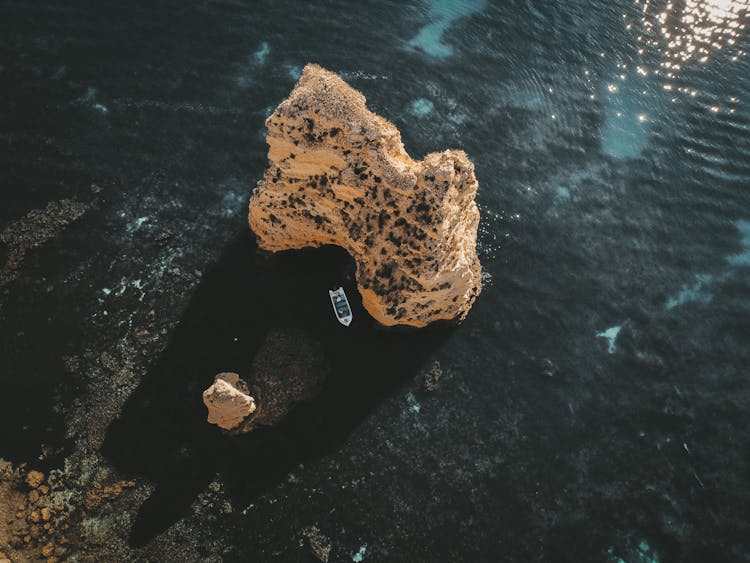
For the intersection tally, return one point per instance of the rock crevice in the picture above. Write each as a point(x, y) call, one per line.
point(339, 174)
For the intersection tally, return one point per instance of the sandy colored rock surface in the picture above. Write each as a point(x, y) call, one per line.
point(28, 526)
point(228, 401)
point(100, 493)
point(11, 500)
point(34, 479)
point(338, 174)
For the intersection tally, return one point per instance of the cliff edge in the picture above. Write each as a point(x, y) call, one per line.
point(338, 174)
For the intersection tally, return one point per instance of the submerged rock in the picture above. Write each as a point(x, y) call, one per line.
point(338, 174)
point(431, 380)
point(318, 543)
point(228, 401)
point(100, 493)
point(33, 230)
point(288, 368)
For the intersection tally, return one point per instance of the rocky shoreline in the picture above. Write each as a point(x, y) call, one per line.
point(42, 517)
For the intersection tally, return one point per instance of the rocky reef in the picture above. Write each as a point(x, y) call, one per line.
point(33, 230)
point(46, 517)
point(339, 174)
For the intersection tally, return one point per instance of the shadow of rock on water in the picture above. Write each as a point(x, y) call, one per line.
point(41, 319)
point(37, 330)
point(162, 432)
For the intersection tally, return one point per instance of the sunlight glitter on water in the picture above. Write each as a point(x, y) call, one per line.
point(693, 31)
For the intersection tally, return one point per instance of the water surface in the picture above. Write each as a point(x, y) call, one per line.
point(612, 147)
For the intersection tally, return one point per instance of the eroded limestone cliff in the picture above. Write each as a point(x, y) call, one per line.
point(339, 174)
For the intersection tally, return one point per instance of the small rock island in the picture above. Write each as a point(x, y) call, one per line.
point(339, 174)
point(288, 368)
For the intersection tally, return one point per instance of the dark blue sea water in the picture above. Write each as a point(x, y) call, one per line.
point(597, 407)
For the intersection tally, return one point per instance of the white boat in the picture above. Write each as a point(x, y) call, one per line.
point(341, 306)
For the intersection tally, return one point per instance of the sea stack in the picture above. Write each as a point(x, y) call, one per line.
point(339, 174)
point(288, 368)
point(228, 401)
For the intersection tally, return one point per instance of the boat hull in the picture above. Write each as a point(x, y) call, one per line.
point(341, 307)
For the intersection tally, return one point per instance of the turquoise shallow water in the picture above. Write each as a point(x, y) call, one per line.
point(612, 147)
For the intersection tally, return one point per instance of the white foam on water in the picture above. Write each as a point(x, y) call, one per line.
point(611, 335)
point(360, 75)
point(421, 107)
point(742, 259)
point(692, 293)
point(181, 107)
point(486, 279)
point(261, 54)
point(442, 14)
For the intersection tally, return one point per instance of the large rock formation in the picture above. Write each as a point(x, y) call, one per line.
point(338, 174)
